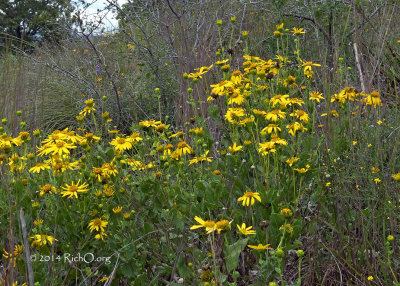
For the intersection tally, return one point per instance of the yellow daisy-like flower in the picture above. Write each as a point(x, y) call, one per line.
point(307, 65)
point(222, 225)
point(221, 62)
point(201, 158)
point(200, 72)
point(209, 225)
point(396, 176)
point(298, 31)
point(260, 246)
point(235, 97)
point(135, 137)
point(294, 127)
point(234, 115)
point(377, 180)
point(15, 255)
point(177, 134)
point(373, 99)
point(149, 123)
point(38, 222)
point(281, 99)
point(97, 224)
point(234, 148)
point(302, 170)
point(73, 189)
point(117, 209)
point(246, 230)
point(271, 128)
point(316, 96)
point(42, 239)
point(91, 138)
point(197, 130)
point(121, 144)
point(219, 88)
point(300, 114)
point(286, 212)
point(275, 114)
point(248, 198)
point(88, 108)
point(183, 148)
point(292, 160)
point(39, 167)
point(47, 189)
point(59, 148)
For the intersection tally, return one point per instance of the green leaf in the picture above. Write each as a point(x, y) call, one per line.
point(232, 254)
point(127, 271)
point(147, 227)
point(141, 280)
point(277, 219)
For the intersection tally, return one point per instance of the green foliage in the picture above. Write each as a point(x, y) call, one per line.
point(25, 19)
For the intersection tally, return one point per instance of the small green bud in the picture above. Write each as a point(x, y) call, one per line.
point(233, 19)
point(104, 98)
point(279, 252)
point(185, 75)
point(157, 90)
point(19, 113)
point(22, 124)
point(219, 23)
point(300, 253)
point(190, 90)
point(390, 238)
point(4, 121)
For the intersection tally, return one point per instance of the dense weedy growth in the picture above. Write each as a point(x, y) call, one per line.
point(271, 181)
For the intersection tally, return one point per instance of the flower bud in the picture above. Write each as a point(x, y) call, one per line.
point(279, 252)
point(300, 253)
point(226, 68)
